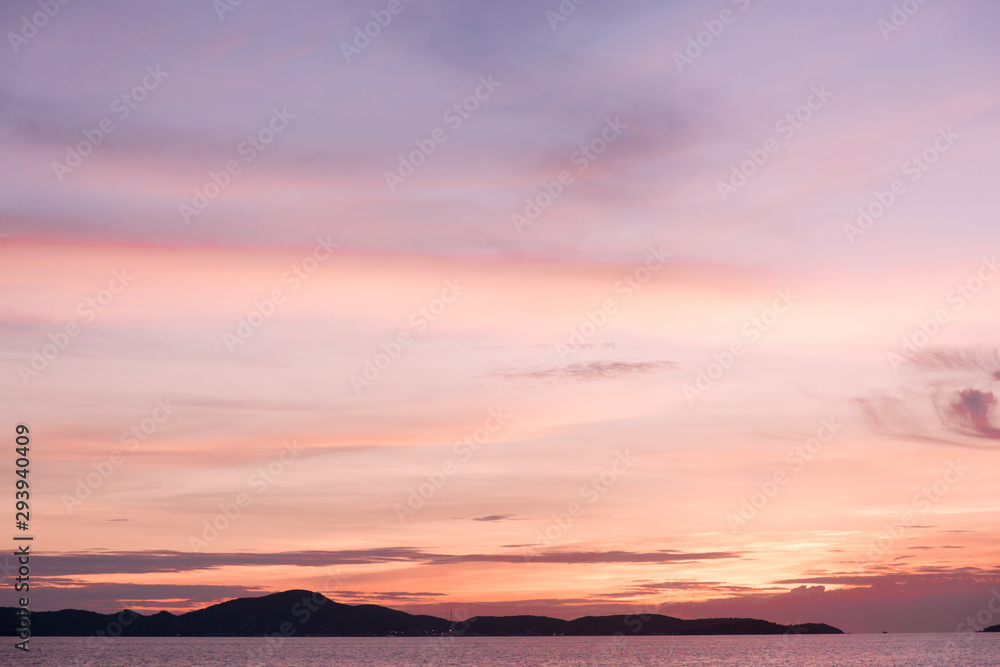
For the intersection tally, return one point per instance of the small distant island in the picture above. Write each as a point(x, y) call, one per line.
point(303, 613)
point(992, 628)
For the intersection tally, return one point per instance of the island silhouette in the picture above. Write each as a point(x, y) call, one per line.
point(304, 613)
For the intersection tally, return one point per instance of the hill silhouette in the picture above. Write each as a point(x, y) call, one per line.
point(304, 613)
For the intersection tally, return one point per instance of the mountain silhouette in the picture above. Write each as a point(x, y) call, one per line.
point(304, 613)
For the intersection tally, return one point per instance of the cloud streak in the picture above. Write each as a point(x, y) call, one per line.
point(139, 562)
point(591, 371)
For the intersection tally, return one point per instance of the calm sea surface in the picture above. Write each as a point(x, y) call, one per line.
point(965, 650)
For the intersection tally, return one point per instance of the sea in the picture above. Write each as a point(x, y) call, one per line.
point(884, 650)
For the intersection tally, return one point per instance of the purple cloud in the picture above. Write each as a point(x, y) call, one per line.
point(972, 411)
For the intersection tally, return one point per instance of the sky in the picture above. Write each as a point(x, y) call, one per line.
point(522, 307)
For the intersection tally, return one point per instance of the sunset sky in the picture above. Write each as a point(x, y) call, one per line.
point(686, 307)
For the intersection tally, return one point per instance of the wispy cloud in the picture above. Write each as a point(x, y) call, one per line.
point(984, 359)
point(590, 371)
point(385, 596)
point(135, 562)
point(946, 398)
point(708, 588)
point(971, 413)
